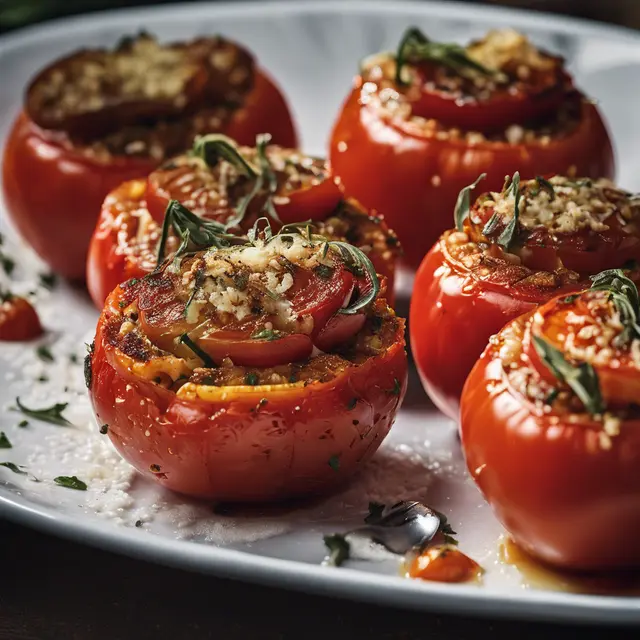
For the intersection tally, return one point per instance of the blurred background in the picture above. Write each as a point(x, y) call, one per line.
point(18, 13)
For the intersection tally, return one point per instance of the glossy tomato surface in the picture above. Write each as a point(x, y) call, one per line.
point(413, 178)
point(564, 497)
point(19, 320)
point(247, 443)
point(453, 314)
point(58, 217)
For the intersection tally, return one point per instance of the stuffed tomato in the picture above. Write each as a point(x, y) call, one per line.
point(422, 123)
point(230, 187)
point(250, 369)
point(96, 118)
point(509, 252)
point(550, 427)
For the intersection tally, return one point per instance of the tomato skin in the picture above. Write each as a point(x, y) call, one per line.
point(414, 180)
point(235, 447)
point(563, 498)
point(451, 318)
point(53, 194)
point(19, 320)
point(58, 217)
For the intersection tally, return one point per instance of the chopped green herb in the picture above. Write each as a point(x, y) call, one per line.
point(203, 355)
point(251, 379)
point(570, 299)
point(352, 404)
point(13, 467)
point(52, 414)
point(545, 185)
point(8, 264)
point(397, 388)
point(506, 238)
point(87, 365)
point(44, 353)
point(48, 280)
point(339, 549)
point(104, 429)
point(463, 204)
point(71, 482)
point(582, 379)
point(324, 271)
point(266, 334)
point(23, 423)
point(334, 462)
point(73, 358)
point(5, 443)
point(138, 523)
point(446, 529)
point(43, 378)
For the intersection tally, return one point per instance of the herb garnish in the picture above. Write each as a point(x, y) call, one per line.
point(505, 239)
point(5, 443)
point(334, 462)
point(582, 379)
point(104, 429)
point(623, 293)
point(8, 264)
point(23, 423)
point(214, 147)
point(267, 334)
point(463, 203)
point(13, 467)
point(324, 271)
point(395, 391)
point(416, 47)
point(545, 185)
point(88, 374)
point(71, 482)
point(339, 549)
point(48, 280)
point(351, 405)
point(203, 355)
point(52, 414)
point(251, 379)
point(446, 529)
point(44, 353)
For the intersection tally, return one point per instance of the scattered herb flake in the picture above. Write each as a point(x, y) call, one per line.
point(71, 482)
point(266, 334)
point(13, 467)
point(73, 358)
point(104, 429)
point(87, 365)
point(334, 462)
point(397, 387)
point(351, 405)
point(507, 237)
point(203, 355)
point(44, 353)
point(545, 185)
point(4, 441)
point(339, 549)
point(8, 264)
point(376, 509)
point(138, 523)
point(23, 423)
point(324, 271)
point(251, 379)
point(52, 414)
point(48, 280)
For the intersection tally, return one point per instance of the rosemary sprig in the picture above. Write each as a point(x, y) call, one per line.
point(215, 147)
point(582, 379)
point(203, 355)
point(416, 47)
point(463, 203)
point(624, 295)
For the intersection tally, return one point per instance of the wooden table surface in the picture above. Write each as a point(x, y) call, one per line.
point(51, 588)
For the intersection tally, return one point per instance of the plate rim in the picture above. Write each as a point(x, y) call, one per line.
point(290, 574)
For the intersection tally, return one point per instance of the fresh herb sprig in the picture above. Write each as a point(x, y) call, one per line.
point(71, 482)
point(214, 147)
point(463, 203)
point(582, 378)
point(416, 47)
point(623, 293)
point(52, 414)
point(203, 355)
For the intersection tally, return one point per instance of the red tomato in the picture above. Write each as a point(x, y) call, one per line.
point(564, 484)
point(58, 217)
point(246, 443)
point(413, 177)
point(464, 294)
point(18, 320)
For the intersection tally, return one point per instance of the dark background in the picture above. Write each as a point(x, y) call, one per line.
point(51, 588)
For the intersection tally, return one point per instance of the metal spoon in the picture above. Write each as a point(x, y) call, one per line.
point(401, 528)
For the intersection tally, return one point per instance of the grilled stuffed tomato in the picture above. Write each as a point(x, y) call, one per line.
point(550, 427)
point(421, 124)
point(231, 187)
point(504, 258)
point(252, 370)
point(97, 118)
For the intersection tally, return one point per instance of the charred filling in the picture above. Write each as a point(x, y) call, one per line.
point(142, 98)
point(379, 333)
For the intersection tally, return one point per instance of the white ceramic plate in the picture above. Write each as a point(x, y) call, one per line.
point(313, 49)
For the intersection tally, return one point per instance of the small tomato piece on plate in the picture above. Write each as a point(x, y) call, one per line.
point(550, 427)
point(444, 563)
point(495, 266)
point(229, 372)
point(422, 124)
point(146, 101)
point(18, 319)
point(230, 187)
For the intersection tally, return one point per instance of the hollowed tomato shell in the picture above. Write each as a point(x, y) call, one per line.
point(229, 444)
point(53, 194)
point(563, 496)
